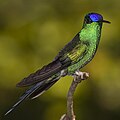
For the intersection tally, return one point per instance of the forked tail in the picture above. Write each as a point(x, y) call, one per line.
point(35, 91)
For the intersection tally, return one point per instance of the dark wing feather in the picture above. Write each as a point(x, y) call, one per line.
point(60, 62)
point(69, 47)
point(42, 74)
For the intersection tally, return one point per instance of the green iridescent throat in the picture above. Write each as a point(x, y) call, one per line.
point(89, 35)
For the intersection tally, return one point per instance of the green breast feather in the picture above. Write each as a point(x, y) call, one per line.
point(85, 51)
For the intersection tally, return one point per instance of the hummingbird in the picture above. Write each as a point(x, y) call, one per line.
point(74, 56)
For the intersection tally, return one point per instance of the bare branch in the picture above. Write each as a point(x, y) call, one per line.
point(78, 77)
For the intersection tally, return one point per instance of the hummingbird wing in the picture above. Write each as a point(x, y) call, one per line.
point(41, 74)
point(73, 51)
point(69, 55)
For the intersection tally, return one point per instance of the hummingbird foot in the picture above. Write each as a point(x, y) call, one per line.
point(79, 76)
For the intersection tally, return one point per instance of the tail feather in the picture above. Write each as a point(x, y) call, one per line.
point(43, 88)
point(35, 91)
point(24, 96)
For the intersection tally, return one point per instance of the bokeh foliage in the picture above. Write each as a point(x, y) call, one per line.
point(31, 34)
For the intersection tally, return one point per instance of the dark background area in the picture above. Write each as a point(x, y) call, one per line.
point(32, 32)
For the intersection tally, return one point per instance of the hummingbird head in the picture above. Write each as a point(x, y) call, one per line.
point(94, 17)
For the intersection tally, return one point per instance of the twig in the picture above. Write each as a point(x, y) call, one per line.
point(78, 77)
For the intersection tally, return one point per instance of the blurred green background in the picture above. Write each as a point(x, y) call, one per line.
point(32, 32)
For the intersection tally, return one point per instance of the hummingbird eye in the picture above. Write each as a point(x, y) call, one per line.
point(88, 21)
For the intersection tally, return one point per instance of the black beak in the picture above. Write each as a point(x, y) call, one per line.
point(105, 21)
